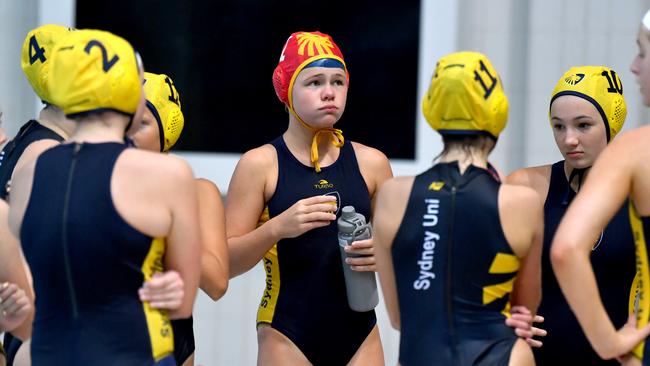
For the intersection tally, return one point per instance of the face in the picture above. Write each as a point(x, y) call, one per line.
point(319, 95)
point(641, 64)
point(145, 132)
point(578, 129)
point(141, 104)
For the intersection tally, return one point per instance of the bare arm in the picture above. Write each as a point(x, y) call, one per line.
point(522, 218)
point(184, 240)
point(15, 288)
point(33, 151)
point(389, 211)
point(214, 257)
point(605, 190)
point(252, 183)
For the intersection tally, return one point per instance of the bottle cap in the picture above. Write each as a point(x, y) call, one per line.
point(348, 212)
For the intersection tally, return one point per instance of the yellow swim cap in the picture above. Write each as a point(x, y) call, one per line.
point(602, 87)
point(165, 104)
point(36, 53)
point(94, 71)
point(466, 97)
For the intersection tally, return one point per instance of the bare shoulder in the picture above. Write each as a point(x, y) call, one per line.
point(394, 191)
point(632, 144)
point(537, 178)
point(397, 185)
point(20, 191)
point(33, 150)
point(206, 184)
point(258, 158)
point(519, 197)
point(370, 156)
point(153, 164)
point(207, 187)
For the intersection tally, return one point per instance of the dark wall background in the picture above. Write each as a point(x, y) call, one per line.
point(221, 55)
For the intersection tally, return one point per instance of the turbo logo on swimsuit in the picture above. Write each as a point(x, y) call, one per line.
point(430, 219)
point(323, 184)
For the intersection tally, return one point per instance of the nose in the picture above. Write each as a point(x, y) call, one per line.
point(634, 67)
point(571, 137)
point(328, 92)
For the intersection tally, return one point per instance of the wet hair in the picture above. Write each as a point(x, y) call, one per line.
point(467, 143)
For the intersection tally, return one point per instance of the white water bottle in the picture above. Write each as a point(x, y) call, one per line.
point(361, 287)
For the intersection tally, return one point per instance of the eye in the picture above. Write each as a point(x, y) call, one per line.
point(314, 82)
point(584, 125)
point(558, 127)
point(339, 82)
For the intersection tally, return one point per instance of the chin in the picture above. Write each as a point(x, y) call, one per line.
point(325, 123)
point(580, 164)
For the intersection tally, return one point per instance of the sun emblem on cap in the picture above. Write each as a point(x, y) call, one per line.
point(315, 44)
point(574, 79)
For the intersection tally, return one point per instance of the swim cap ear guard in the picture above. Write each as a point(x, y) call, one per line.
point(466, 97)
point(36, 53)
point(602, 87)
point(164, 103)
point(94, 71)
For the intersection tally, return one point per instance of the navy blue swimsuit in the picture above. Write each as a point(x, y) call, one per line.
point(31, 131)
point(613, 264)
point(454, 271)
point(304, 296)
point(88, 264)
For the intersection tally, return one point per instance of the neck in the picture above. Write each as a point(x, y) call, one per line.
point(465, 158)
point(54, 119)
point(299, 140)
point(104, 127)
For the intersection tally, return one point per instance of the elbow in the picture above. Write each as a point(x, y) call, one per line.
point(561, 254)
point(607, 354)
point(217, 289)
point(395, 322)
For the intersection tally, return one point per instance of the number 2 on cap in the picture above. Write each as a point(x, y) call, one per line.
point(106, 63)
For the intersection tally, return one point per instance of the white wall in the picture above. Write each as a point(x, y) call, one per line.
point(530, 42)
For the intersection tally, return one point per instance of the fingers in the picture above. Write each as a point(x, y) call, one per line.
point(330, 200)
point(519, 323)
point(165, 280)
point(18, 307)
point(538, 332)
point(320, 207)
point(164, 300)
point(318, 216)
point(9, 294)
point(538, 319)
point(363, 252)
point(163, 290)
point(362, 264)
point(534, 342)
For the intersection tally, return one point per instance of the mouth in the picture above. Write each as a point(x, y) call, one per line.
point(575, 154)
point(329, 108)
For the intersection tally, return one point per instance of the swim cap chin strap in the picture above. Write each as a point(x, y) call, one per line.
point(570, 194)
point(336, 137)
